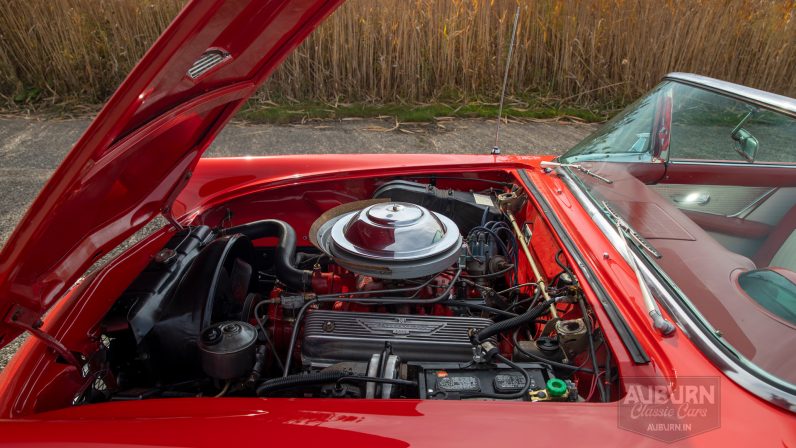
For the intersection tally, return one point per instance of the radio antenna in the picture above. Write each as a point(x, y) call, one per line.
point(496, 148)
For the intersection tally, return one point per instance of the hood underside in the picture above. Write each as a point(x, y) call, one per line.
point(140, 150)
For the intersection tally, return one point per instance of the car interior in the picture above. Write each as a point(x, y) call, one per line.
point(756, 222)
point(715, 228)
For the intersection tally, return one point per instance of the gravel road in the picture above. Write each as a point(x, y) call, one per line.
point(30, 149)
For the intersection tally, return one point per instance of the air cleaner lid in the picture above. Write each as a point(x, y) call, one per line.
point(391, 240)
point(395, 231)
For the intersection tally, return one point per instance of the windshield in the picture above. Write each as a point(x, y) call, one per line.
point(708, 180)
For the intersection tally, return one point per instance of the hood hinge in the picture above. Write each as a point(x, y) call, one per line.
point(166, 211)
point(31, 322)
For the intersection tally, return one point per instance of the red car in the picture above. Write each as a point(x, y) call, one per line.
point(638, 290)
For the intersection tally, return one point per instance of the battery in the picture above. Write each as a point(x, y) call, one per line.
point(453, 381)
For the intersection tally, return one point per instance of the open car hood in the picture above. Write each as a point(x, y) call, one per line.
point(140, 150)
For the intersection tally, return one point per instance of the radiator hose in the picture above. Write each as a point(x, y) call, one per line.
point(285, 260)
point(301, 379)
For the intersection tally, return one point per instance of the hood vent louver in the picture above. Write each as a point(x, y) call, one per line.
point(206, 62)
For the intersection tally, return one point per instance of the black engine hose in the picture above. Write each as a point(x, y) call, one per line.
point(301, 379)
point(285, 260)
point(592, 351)
point(514, 322)
point(556, 364)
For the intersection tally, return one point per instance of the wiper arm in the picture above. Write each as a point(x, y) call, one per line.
point(578, 167)
point(631, 232)
point(658, 321)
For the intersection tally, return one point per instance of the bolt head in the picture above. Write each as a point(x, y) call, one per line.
point(165, 255)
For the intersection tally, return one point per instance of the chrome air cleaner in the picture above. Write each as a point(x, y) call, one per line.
point(393, 240)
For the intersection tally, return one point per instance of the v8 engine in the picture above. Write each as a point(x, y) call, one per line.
point(414, 292)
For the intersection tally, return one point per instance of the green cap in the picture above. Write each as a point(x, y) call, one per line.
point(556, 387)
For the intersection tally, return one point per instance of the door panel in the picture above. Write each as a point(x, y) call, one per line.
point(723, 211)
point(728, 225)
point(724, 200)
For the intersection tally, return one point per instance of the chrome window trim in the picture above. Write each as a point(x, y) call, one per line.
point(746, 211)
point(681, 309)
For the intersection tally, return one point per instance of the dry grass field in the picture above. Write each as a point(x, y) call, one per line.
point(570, 52)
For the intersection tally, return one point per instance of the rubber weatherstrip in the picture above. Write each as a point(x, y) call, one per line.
point(637, 352)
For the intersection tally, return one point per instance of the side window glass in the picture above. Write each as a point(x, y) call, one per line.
point(711, 127)
point(776, 135)
point(702, 123)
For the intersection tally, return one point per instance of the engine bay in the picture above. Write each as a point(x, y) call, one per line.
point(432, 287)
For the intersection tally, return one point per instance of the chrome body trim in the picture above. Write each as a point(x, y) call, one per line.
point(746, 211)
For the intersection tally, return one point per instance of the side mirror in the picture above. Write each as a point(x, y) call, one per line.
point(746, 144)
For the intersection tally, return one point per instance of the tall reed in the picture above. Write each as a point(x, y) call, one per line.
point(576, 52)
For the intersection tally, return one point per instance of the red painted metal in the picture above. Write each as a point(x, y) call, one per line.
point(134, 160)
point(381, 423)
point(140, 150)
point(30, 384)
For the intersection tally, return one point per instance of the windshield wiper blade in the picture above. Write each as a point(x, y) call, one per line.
point(658, 321)
point(630, 231)
point(578, 167)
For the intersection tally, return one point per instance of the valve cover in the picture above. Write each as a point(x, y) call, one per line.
point(334, 336)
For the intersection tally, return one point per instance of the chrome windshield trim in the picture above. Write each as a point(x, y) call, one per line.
point(594, 212)
point(762, 98)
point(740, 371)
